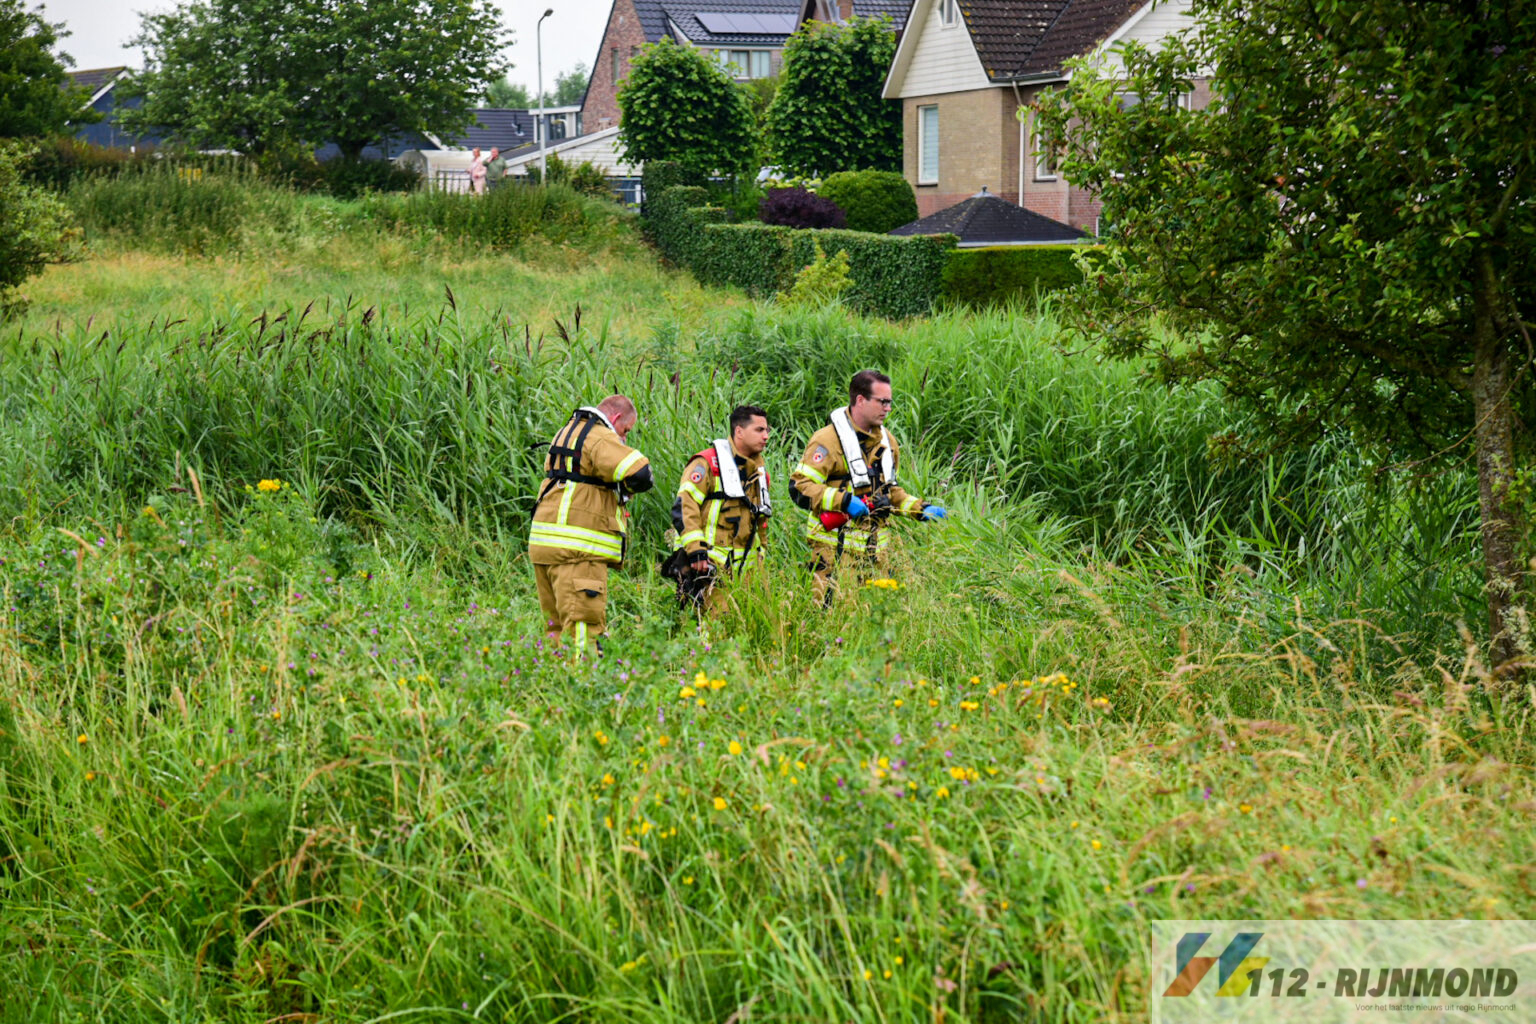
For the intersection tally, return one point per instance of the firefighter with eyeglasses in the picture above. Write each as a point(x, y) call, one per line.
point(846, 481)
point(721, 512)
point(580, 524)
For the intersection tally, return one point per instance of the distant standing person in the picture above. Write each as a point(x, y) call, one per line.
point(476, 172)
point(495, 169)
point(847, 482)
point(579, 526)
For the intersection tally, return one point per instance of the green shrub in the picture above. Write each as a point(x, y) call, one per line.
point(587, 179)
point(821, 282)
point(872, 200)
point(34, 228)
point(981, 277)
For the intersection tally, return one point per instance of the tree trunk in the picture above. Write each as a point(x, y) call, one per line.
point(1492, 377)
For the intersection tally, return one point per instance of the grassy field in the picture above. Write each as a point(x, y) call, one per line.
point(301, 755)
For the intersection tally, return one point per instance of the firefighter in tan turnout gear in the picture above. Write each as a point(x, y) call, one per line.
point(847, 482)
point(721, 510)
point(579, 526)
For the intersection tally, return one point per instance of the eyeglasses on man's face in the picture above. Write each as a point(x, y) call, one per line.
point(886, 402)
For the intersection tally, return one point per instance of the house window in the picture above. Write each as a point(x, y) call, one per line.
point(1047, 156)
point(746, 63)
point(949, 12)
point(615, 54)
point(928, 145)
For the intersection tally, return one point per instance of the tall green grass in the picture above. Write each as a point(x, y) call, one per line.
point(428, 427)
point(224, 209)
point(303, 755)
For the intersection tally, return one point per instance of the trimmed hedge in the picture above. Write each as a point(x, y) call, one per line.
point(892, 276)
point(668, 222)
point(1007, 273)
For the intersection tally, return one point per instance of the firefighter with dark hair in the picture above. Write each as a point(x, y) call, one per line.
point(579, 523)
point(847, 482)
point(721, 511)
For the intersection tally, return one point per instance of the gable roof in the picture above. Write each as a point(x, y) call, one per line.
point(96, 81)
point(985, 219)
point(1019, 40)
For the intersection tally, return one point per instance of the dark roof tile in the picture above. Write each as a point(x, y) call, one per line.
point(95, 78)
point(990, 220)
point(1082, 26)
point(1017, 38)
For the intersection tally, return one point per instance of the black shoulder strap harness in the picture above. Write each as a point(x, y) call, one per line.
point(565, 455)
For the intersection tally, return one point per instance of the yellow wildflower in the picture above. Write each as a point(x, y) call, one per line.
point(662, 741)
point(720, 803)
point(735, 749)
point(717, 684)
point(687, 692)
point(969, 705)
point(270, 486)
point(942, 792)
point(82, 738)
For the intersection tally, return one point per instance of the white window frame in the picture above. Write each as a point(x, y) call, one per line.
point(949, 13)
point(922, 145)
point(1046, 157)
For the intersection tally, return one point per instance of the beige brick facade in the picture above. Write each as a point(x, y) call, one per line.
point(979, 140)
point(621, 42)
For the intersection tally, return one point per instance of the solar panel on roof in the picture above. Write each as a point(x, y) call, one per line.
point(746, 24)
point(714, 22)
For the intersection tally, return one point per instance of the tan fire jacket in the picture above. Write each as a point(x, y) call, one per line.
point(707, 520)
point(579, 517)
point(821, 483)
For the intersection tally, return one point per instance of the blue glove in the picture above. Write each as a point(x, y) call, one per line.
point(933, 512)
point(856, 507)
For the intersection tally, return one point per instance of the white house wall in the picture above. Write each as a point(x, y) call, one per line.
point(601, 148)
point(943, 61)
point(1150, 27)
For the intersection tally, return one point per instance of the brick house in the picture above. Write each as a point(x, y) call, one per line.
point(964, 67)
point(746, 35)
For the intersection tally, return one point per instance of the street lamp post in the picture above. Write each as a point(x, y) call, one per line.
point(541, 128)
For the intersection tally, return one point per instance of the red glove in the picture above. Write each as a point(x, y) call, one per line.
point(834, 520)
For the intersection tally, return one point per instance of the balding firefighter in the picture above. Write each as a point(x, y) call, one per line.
point(847, 482)
point(721, 510)
point(579, 527)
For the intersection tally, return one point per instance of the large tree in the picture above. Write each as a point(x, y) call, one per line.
point(677, 104)
point(257, 74)
point(1345, 235)
point(35, 96)
point(828, 115)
